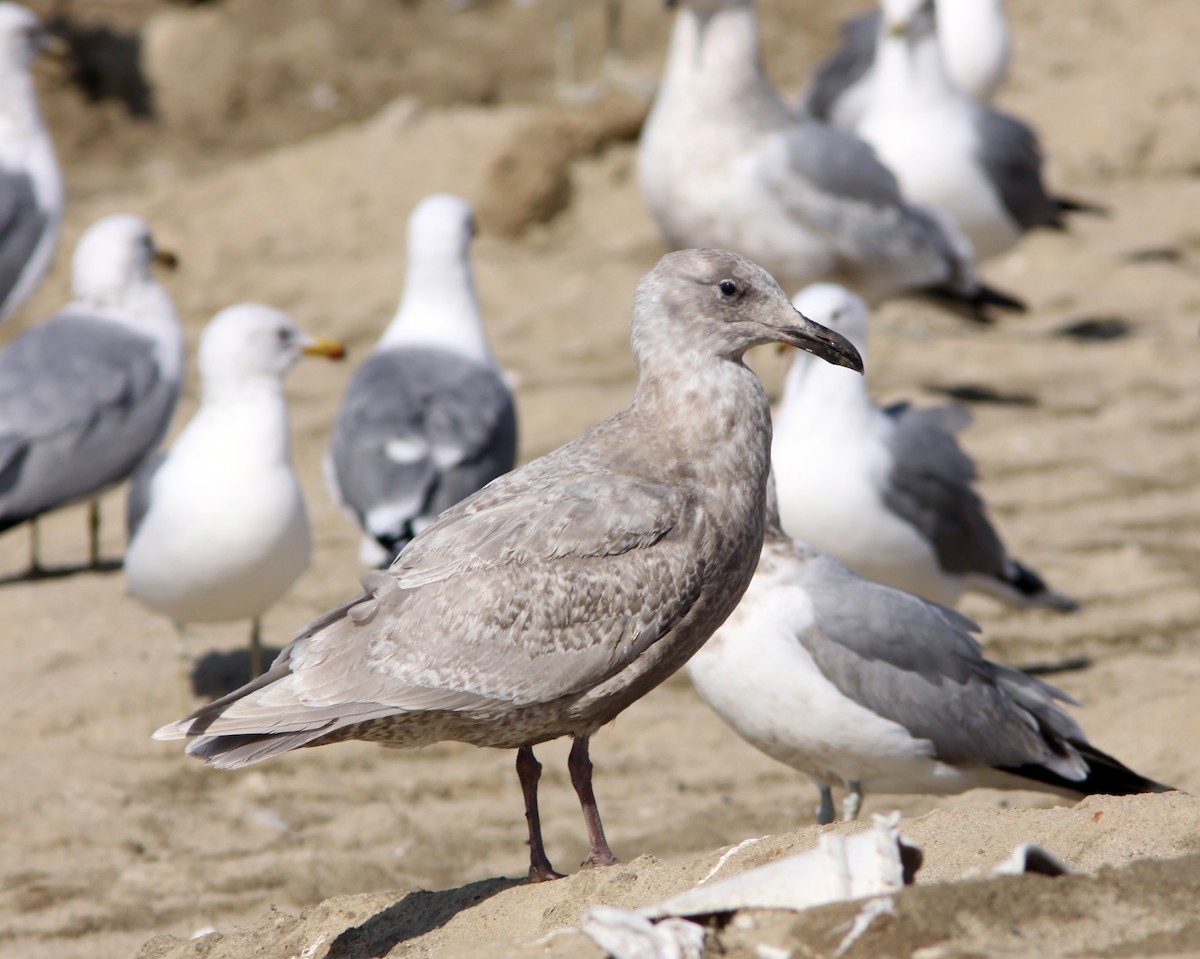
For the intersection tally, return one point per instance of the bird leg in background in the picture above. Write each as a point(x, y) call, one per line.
point(94, 534)
point(825, 813)
point(852, 803)
point(529, 771)
point(256, 656)
point(184, 669)
point(580, 767)
point(35, 543)
point(564, 49)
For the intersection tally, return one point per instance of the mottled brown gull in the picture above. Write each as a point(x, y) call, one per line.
point(560, 593)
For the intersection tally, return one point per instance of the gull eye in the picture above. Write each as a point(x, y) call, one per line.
point(727, 287)
point(283, 334)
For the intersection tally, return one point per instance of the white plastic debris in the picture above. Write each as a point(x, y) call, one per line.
point(1030, 858)
point(626, 935)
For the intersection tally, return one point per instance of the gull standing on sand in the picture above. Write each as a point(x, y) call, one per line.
point(974, 40)
point(427, 419)
point(887, 491)
point(980, 167)
point(549, 601)
point(723, 162)
point(31, 188)
point(87, 396)
point(218, 526)
point(863, 686)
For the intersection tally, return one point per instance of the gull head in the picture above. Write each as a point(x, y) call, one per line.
point(22, 36)
point(113, 260)
point(837, 308)
point(249, 342)
point(723, 304)
point(909, 19)
point(443, 224)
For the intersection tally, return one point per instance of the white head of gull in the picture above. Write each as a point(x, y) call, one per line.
point(723, 162)
point(31, 189)
point(428, 418)
point(218, 526)
point(549, 601)
point(86, 396)
point(888, 491)
point(867, 687)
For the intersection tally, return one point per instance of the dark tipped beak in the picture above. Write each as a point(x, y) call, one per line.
point(166, 259)
point(821, 342)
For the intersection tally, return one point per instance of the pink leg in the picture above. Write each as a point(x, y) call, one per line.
point(529, 771)
point(580, 767)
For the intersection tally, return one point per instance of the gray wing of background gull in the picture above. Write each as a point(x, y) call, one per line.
point(481, 595)
point(929, 486)
point(418, 431)
point(1012, 159)
point(849, 64)
point(22, 223)
point(916, 664)
point(137, 503)
point(82, 403)
point(835, 184)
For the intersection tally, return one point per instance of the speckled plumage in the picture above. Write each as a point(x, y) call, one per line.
point(553, 598)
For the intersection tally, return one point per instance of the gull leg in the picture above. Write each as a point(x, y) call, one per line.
point(612, 35)
point(579, 764)
point(853, 801)
point(564, 48)
point(94, 534)
point(35, 548)
point(825, 811)
point(529, 771)
point(256, 656)
point(184, 668)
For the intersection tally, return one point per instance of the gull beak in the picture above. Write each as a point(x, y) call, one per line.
point(821, 342)
point(330, 349)
point(166, 259)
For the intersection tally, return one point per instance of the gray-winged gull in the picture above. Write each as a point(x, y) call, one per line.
point(87, 395)
point(980, 167)
point(428, 418)
point(218, 528)
point(975, 43)
point(887, 491)
point(861, 685)
point(31, 189)
point(550, 600)
point(723, 162)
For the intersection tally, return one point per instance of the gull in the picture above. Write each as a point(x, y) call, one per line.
point(723, 162)
point(887, 491)
point(550, 600)
point(31, 188)
point(427, 419)
point(218, 529)
point(975, 44)
point(87, 395)
point(978, 166)
point(864, 686)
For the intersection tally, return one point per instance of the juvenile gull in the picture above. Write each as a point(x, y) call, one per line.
point(87, 395)
point(427, 419)
point(218, 527)
point(553, 598)
point(864, 686)
point(723, 162)
point(31, 189)
point(975, 44)
point(978, 166)
point(887, 491)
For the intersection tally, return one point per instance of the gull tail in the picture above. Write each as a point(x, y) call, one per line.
point(978, 303)
point(1106, 776)
point(1022, 586)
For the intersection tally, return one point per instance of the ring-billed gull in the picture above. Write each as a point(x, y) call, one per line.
point(86, 396)
point(31, 189)
point(861, 685)
point(218, 526)
point(975, 43)
point(550, 600)
point(723, 162)
point(980, 167)
point(887, 491)
point(427, 419)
